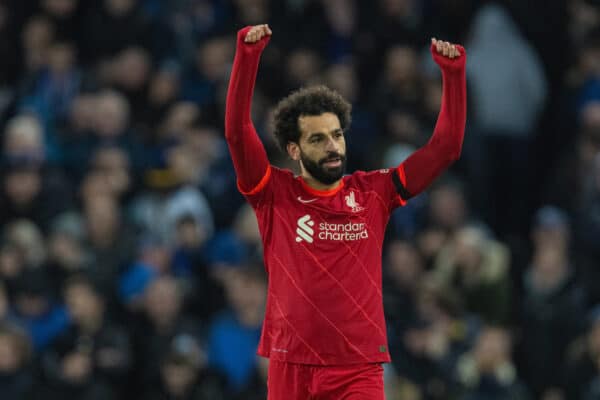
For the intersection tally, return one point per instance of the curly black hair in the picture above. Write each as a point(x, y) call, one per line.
point(313, 100)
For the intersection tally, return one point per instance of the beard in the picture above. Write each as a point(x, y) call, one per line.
point(325, 175)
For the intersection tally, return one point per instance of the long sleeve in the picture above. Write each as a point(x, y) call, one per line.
point(444, 147)
point(248, 153)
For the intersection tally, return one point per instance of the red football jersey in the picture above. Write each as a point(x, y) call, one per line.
point(322, 252)
point(323, 249)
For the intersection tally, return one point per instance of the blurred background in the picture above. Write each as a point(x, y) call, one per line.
point(130, 267)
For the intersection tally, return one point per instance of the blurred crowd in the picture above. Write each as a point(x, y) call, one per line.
point(131, 268)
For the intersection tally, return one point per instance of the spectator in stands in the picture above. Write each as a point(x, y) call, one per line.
point(36, 311)
point(109, 240)
point(31, 188)
point(508, 94)
point(549, 313)
point(446, 212)
point(38, 33)
point(487, 371)
point(234, 334)
point(162, 319)
point(569, 184)
point(426, 351)
point(583, 367)
point(67, 254)
point(185, 375)
point(53, 88)
point(99, 346)
point(403, 272)
point(153, 260)
point(16, 374)
point(477, 267)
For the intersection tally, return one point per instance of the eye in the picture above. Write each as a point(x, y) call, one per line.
point(338, 135)
point(316, 139)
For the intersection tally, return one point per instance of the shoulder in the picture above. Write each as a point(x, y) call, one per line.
point(370, 174)
point(281, 173)
point(280, 178)
point(369, 177)
point(275, 175)
point(274, 180)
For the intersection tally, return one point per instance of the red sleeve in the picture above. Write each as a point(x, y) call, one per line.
point(248, 154)
point(426, 164)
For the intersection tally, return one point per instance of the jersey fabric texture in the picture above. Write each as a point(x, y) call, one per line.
point(322, 251)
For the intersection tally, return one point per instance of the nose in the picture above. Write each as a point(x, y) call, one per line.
point(332, 145)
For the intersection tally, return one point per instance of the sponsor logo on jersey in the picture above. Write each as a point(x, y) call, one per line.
point(304, 230)
point(347, 232)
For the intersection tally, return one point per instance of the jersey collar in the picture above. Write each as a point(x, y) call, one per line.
point(322, 193)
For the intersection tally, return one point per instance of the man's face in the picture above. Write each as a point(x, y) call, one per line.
point(321, 148)
point(82, 302)
point(10, 358)
point(22, 186)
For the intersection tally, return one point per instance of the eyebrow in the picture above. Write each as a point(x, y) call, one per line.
point(312, 134)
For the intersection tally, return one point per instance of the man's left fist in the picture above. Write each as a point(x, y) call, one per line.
point(448, 55)
point(446, 48)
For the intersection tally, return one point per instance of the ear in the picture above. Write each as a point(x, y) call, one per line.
point(293, 150)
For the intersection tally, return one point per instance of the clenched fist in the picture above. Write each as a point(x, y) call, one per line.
point(449, 56)
point(257, 32)
point(446, 48)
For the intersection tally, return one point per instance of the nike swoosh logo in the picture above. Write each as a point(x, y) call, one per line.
point(301, 200)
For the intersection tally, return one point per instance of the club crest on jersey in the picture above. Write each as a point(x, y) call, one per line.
point(351, 202)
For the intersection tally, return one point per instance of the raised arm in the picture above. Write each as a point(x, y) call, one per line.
point(424, 165)
point(248, 154)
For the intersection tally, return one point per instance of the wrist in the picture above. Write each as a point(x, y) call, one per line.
point(453, 71)
point(241, 34)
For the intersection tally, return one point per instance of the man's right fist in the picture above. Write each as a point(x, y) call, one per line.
point(257, 32)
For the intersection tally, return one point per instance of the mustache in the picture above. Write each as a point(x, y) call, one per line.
point(332, 157)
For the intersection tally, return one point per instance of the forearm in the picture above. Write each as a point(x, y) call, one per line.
point(444, 147)
point(248, 154)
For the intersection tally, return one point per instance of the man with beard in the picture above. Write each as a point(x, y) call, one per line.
point(322, 232)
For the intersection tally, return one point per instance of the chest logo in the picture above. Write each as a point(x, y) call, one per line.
point(305, 201)
point(351, 202)
point(304, 230)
